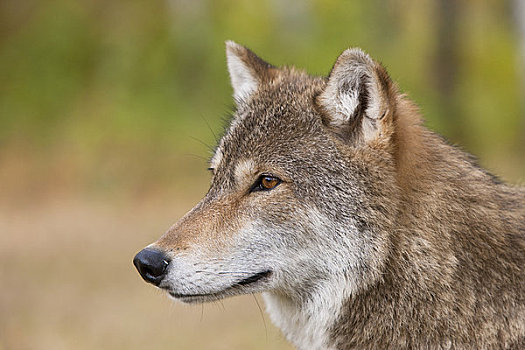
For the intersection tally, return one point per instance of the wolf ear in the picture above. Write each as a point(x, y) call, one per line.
point(356, 100)
point(247, 70)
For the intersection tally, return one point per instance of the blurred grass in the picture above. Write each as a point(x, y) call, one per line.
point(108, 111)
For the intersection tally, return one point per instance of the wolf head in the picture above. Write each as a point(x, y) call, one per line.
point(303, 190)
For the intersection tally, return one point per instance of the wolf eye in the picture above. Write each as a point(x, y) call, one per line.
point(269, 182)
point(265, 183)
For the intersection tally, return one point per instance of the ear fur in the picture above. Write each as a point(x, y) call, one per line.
point(247, 70)
point(356, 98)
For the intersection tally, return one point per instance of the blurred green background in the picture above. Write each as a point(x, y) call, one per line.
point(109, 111)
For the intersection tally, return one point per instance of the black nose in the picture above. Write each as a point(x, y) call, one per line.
point(151, 264)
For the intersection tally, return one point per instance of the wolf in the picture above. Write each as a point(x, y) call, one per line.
point(361, 228)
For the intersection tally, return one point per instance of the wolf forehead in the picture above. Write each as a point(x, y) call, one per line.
point(275, 120)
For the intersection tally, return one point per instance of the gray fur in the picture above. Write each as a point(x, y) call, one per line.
point(381, 235)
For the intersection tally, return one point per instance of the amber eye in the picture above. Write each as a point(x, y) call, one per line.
point(265, 183)
point(269, 182)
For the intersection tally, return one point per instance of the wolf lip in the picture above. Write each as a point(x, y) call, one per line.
point(244, 282)
point(254, 278)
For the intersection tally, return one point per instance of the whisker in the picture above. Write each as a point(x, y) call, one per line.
point(209, 128)
point(196, 156)
point(210, 148)
point(241, 273)
point(262, 316)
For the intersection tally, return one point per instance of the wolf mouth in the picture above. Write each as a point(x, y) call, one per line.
point(217, 295)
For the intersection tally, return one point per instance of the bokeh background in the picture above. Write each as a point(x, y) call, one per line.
point(109, 111)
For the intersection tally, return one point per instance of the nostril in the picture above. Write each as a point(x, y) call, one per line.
point(146, 270)
point(151, 264)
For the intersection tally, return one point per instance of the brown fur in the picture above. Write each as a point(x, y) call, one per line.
point(441, 249)
point(454, 273)
point(454, 277)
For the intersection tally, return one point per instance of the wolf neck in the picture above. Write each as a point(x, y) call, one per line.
point(307, 323)
point(421, 267)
